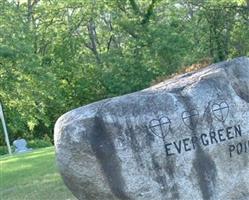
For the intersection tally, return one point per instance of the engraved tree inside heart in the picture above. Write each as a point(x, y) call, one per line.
point(160, 127)
point(220, 111)
point(190, 118)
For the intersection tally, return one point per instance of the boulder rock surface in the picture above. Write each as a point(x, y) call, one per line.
point(186, 138)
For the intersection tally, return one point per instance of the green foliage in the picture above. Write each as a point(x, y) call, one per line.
point(34, 144)
point(40, 143)
point(58, 55)
point(4, 150)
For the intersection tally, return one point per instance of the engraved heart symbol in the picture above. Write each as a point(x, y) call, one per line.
point(220, 111)
point(160, 127)
point(190, 118)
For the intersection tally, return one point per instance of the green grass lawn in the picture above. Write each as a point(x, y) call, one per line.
point(32, 176)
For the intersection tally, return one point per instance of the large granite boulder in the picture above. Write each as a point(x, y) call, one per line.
point(186, 138)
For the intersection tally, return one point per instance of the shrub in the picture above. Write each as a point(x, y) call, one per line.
point(34, 144)
point(39, 143)
point(4, 150)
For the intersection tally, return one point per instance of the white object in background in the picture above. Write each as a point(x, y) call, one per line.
point(21, 146)
point(5, 129)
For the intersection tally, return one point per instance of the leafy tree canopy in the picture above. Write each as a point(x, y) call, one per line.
point(56, 55)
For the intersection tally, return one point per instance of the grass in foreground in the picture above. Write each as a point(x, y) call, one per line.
point(32, 176)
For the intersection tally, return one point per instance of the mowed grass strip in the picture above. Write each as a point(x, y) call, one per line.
point(32, 176)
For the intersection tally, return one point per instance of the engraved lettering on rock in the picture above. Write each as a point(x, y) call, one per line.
point(160, 127)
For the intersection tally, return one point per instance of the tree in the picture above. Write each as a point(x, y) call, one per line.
point(60, 54)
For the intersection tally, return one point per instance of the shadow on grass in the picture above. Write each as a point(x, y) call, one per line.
point(32, 176)
point(30, 154)
point(49, 187)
